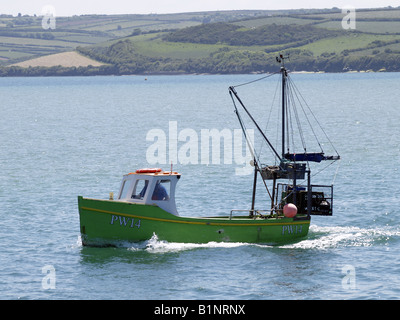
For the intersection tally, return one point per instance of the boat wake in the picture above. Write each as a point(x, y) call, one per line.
point(339, 237)
point(154, 245)
point(319, 238)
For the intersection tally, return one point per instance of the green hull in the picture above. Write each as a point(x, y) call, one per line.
point(105, 222)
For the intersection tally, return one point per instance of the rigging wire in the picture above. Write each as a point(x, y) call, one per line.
point(279, 114)
point(293, 116)
point(293, 107)
point(315, 118)
point(262, 78)
point(251, 147)
point(328, 165)
point(294, 99)
point(249, 142)
point(269, 116)
point(297, 93)
point(299, 98)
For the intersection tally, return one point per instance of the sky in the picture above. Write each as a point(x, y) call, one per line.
point(79, 7)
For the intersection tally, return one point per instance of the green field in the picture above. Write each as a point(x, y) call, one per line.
point(315, 38)
point(22, 37)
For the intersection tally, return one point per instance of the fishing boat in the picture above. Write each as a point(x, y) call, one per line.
point(145, 204)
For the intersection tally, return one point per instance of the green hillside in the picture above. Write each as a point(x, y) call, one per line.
point(22, 37)
point(210, 42)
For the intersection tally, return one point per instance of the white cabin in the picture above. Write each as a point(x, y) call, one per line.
point(151, 187)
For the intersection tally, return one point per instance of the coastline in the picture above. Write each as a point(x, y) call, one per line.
point(73, 63)
point(80, 72)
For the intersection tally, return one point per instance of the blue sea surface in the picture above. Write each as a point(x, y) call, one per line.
point(61, 137)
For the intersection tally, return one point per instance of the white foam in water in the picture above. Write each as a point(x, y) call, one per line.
point(334, 237)
point(154, 245)
point(320, 238)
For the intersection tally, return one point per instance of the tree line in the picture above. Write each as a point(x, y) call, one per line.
point(235, 35)
point(233, 62)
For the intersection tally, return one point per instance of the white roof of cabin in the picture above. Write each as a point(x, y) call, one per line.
point(152, 179)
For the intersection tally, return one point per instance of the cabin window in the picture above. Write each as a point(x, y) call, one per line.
point(162, 190)
point(125, 189)
point(140, 189)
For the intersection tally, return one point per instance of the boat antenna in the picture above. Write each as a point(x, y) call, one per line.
point(281, 59)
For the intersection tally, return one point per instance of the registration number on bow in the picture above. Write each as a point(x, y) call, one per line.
point(292, 229)
point(125, 221)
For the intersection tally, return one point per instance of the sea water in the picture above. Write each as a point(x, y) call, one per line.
point(61, 137)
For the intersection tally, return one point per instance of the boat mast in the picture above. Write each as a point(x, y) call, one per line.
point(292, 166)
point(281, 60)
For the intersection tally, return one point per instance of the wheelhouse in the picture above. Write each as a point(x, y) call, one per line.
point(152, 187)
